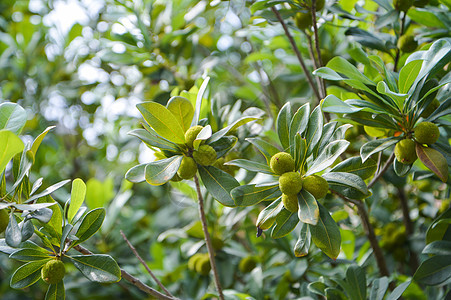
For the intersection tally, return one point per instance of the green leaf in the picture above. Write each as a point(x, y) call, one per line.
point(300, 154)
point(91, 224)
point(426, 17)
point(347, 184)
point(438, 229)
point(366, 39)
point(77, 197)
point(335, 294)
point(355, 277)
point(241, 121)
point(347, 241)
point(162, 121)
point(203, 135)
point(199, 97)
point(183, 111)
point(10, 146)
point(56, 292)
point(438, 248)
point(27, 274)
point(328, 156)
point(30, 254)
point(285, 223)
point(328, 74)
point(54, 226)
point(149, 137)
point(37, 141)
point(267, 149)
point(434, 270)
point(48, 190)
point(401, 169)
point(397, 98)
point(314, 129)
point(283, 125)
point(250, 165)
point(302, 245)
point(97, 267)
point(434, 161)
point(219, 184)
point(326, 234)
point(355, 166)
point(341, 65)
point(267, 217)
point(224, 145)
point(376, 146)
point(308, 208)
point(161, 171)
point(12, 117)
point(379, 288)
point(137, 173)
point(332, 104)
point(408, 74)
point(298, 124)
point(249, 194)
point(397, 292)
point(13, 234)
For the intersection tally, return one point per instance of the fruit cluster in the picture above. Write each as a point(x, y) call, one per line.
point(291, 182)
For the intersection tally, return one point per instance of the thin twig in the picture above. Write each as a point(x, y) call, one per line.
point(210, 249)
point(398, 51)
point(145, 265)
point(322, 87)
point(382, 171)
point(132, 279)
point(297, 52)
point(312, 57)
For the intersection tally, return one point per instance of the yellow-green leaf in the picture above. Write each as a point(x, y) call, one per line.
point(10, 146)
point(183, 111)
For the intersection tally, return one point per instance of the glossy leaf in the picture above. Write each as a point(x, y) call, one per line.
point(408, 74)
point(97, 267)
point(30, 254)
point(314, 129)
point(308, 208)
point(219, 184)
point(299, 123)
point(434, 160)
point(300, 154)
point(332, 104)
point(10, 146)
point(328, 74)
point(183, 111)
point(347, 184)
point(12, 117)
point(56, 292)
point(376, 146)
point(137, 173)
point(161, 171)
point(434, 270)
point(250, 165)
point(438, 248)
point(249, 194)
point(27, 274)
point(240, 122)
point(355, 166)
point(267, 217)
point(302, 245)
point(326, 234)
point(77, 197)
point(162, 121)
point(152, 139)
point(398, 291)
point(283, 125)
point(203, 135)
point(355, 277)
point(199, 98)
point(285, 223)
point(401, 169)
point(48, 190)
point(398, 98)
point(379, 288)
point(54, 226)
point(13, 234)
point(91, 224)
point(224, 145)
point(267, 149)
point(38, 140)
point(328, 156)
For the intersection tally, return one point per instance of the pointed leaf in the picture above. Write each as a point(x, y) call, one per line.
point(137, 173)
point(162, 121)
point(12, 117)
point(347, 184)
point(219, 184)
point(30, 254)
point(355, 166)
point(328, 156)
point(434, 270)
point(434, 160)
point(241, 121)
point(314, 129)
point(285, 223)
point(37, 141)
point(48, 190)
point(161, 171)
point(397, 292)
point(267, 217)
point(90, 224)
point(97, 267)
point(332, 104)
point(249, 194)
point(77, 197)
point(283, 125)
point(299, 123)
point(183, 111)
point(376, 146)
point(302, 245)
point(408, 74)
point(56, 292)
point(250, 165)
point(379, 288)
point(27, 274)
point(10, 146)
point(326, 234)
point(308, 208)
point(203, 135)
point(149, 137)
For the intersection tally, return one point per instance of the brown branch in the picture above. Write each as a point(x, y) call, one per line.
point(145, 265)
point(297, 52)
point(313, 58)
point(322, 87)
point(398, 51)
point(133, 280)
point(382, 171)
point(210, 249)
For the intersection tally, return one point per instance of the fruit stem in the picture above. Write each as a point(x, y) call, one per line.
point(298, 53)
point(210, 249)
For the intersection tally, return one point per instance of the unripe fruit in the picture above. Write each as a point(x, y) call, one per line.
point(303, 20)
point(188, 168)
point(4, 219)
point(53, 271)
point(290, 183)
point(205, 155)
point(281, 162)
point(193, 261)
point(247, 264)
point(405, 151)
point(316, 185)
point(203, 266)
point(191, 134)
point(402, 5)
point(290, 202)
point(426, 133)
point(430, 109)
point(407, 43)
point(176, 178)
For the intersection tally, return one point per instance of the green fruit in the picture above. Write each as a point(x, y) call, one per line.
point(303, 20)
point(430, 108)
point(407, 43)
point(402, 5)
point(426, 133)
point(176, 178)
point(247, 264)
point(217, 243)
point(188, 168)
point(290, 202)
point(290, 183)
point(4, 220)
point(281, 162)
point(420, 3)
point(405, 151)
point(203, 266)
point(193, 261)
point(191, 134)
point(316, 185)
point(205, 155)
point(53, 271)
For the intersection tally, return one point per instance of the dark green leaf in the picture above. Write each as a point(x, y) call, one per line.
point(397, 292)
point(49, 190)
point(161, 171)
point(308, 208)
point(355, 166)
point(97, 267)
point(267, 149)
point(314, 129)
point(219, 184)
point(347, 184)
point(250, 165)
point(267, 217)
point(224, 145)
point(27, 274)
point(376, 146)
point(434, 270)
point(438, 248)
point(285, 223)
point(355, 277)
point(90, 224)
point(56, 292)
point(326, 234)
point(379, 288)
point(249, 194)
point(30, 254)
point(328, 156)
point(283, 125)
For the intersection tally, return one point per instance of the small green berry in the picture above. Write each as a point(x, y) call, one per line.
point(290, 183)
point(281, 162)
point(303, 20)
point(191, 134)
point(205, 155)
point(53, 271)
point(290, 202)
point(316, 185)
point(188, 168)
point(426, 133)
point(247, 264)
point(405, 151)
point(203, 266)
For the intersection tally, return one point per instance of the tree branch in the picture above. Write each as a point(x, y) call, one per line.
point(298, 53)
point(398, 51)
point(132, 279)
point(210, 249)
point(145, 265)
point(322, 86)
point(382, 171)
